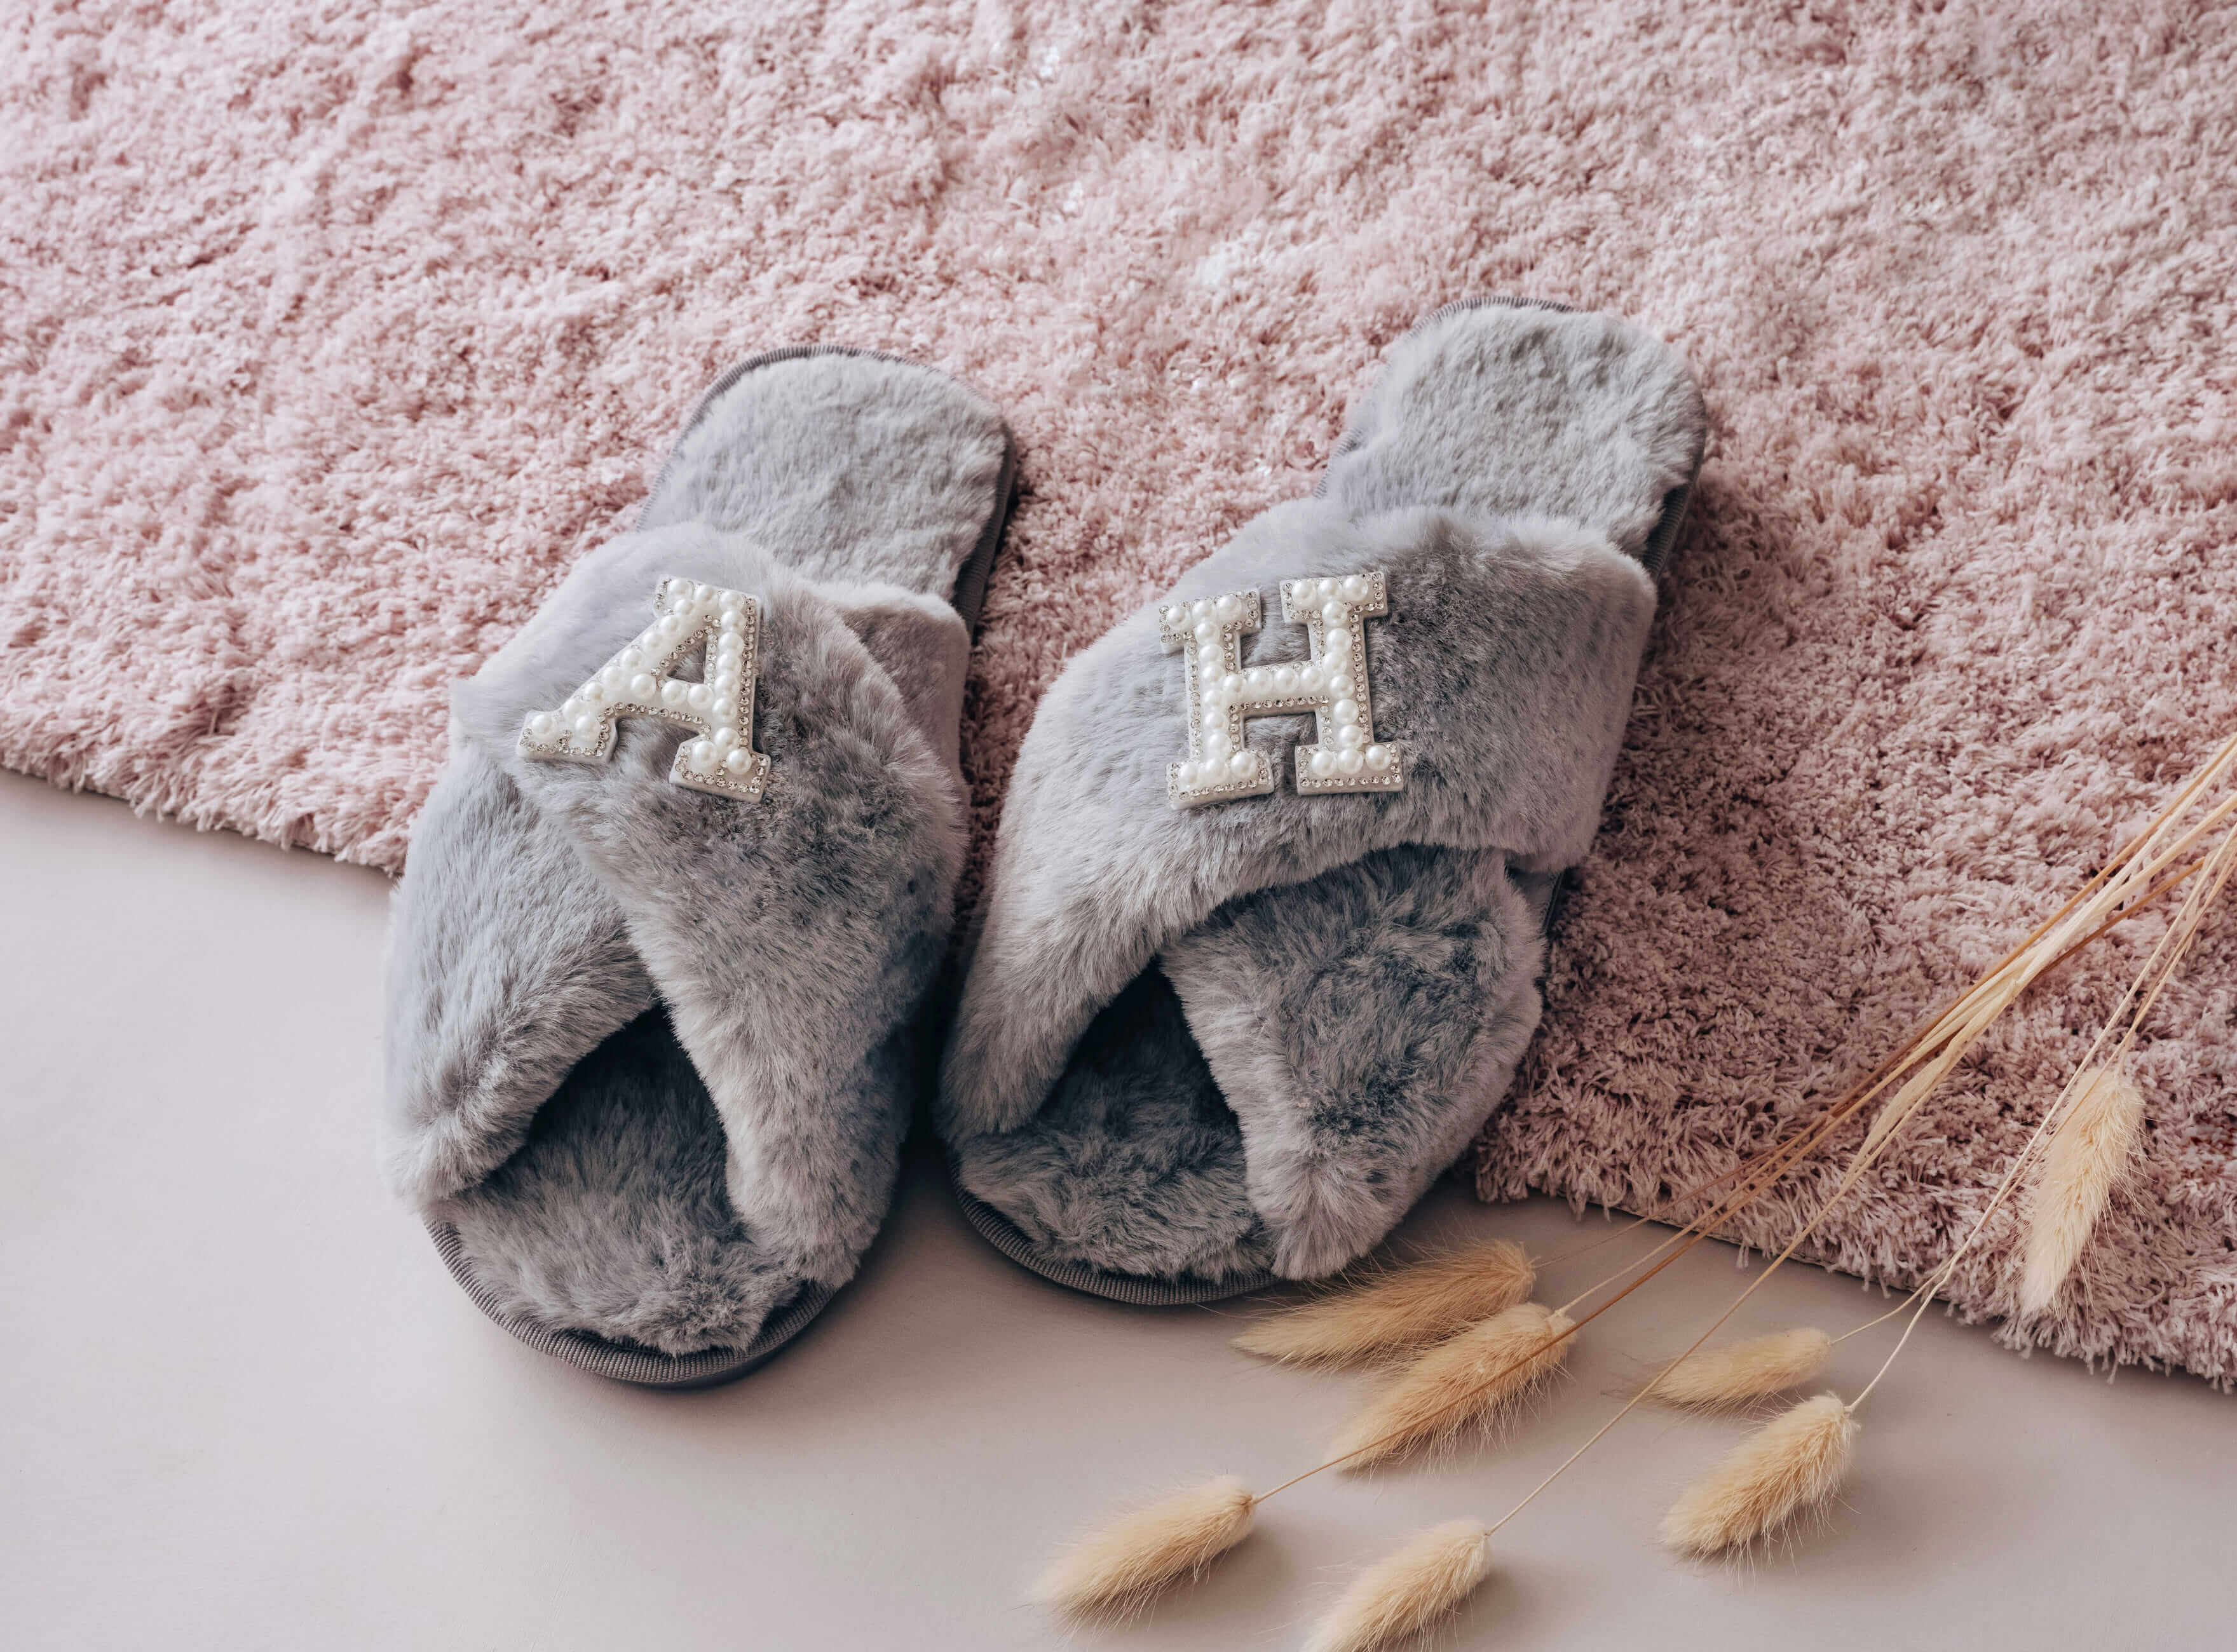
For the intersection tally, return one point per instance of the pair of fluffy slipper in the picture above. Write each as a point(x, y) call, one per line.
point(1264, 924)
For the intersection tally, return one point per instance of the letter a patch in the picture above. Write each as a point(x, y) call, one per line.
point(724, 628)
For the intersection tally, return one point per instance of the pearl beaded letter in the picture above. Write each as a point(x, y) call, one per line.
point(1331, 683)
point(725, 629)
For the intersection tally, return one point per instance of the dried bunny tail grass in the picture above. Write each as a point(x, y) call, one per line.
point(1119, 1571)
point(2119, 890)
point(1961, 1031)
point(2092, 1146)
point(1396, 1313)
point(1800, 1459)
point(1405, 1595)
point(2213, 874)
point(1744, 1370)
point(1792, 1464)
point(1464, 1382)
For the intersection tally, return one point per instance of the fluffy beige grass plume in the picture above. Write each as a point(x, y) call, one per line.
point(1399, 1312)
point(1464, 1382)
point(1405, 1595)
point(1792, 1464)
point(1117, 1571)
point(2089, 1153)
point(1745, 1371)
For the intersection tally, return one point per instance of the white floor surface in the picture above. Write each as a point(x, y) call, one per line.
point(244, 1406)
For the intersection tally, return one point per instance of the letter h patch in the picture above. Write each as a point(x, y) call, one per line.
point(1331, 682)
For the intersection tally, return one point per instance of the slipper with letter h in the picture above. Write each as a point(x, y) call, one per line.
point(1265, 918)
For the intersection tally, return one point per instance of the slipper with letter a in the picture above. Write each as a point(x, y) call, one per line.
point(1265, 917)
point(672, 914)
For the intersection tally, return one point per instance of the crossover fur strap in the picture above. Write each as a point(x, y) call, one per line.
point(791, 938)
point(1504, 667)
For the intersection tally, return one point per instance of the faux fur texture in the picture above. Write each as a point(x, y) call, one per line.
point(614, 1217)
point(1357, 970)
point(331, 334)
point(788, 942)
point(1359, 1025)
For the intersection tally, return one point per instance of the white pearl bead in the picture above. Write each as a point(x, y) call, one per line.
point(613, 678)
point(724, 739)
point(590, 693)
point(1286, 681)
point(1231, 684)
point(1355, 588)
point(1328, 588)
point(1348, 762)
point(586, 726)
point(1241, 764)
point(1255, 677)
point(1335, 614)
point(1175, 615)
point(1378, 758)
point(1188, 774)
point(671, 693)
point(733, 604)
point(641, 685)
point(1217, 746)
point(544, 724)
point(1345, 711)
point(1206, 631)
point(1208, 661)
point(726, 681)
point(632, 658)
point(1339, 684)
point(1200, 608)
point(671, 627)
point(1338, 641)
point(682, 590)
point(1349, 735)
point(738, 761)
point(1228, 607)
point(1310, 679)
point(700, 697)
point(1322, 764)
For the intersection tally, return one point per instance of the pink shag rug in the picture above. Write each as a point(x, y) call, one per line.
point(330, 333)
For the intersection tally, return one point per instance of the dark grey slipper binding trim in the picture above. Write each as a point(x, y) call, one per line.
point(1658, 557)
point(970, 598)
point(643, 1366)
point(1139, 1290)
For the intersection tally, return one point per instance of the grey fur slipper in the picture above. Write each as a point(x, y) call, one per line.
point(673, 912)
point(1265, 916)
